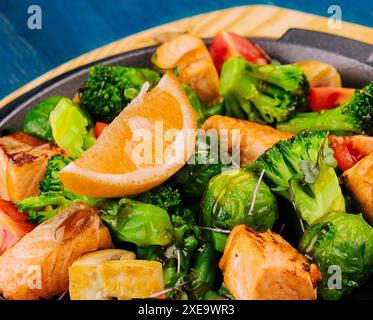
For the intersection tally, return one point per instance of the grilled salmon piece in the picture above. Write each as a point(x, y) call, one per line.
point(37, 267)
point(359, 179)
point(194, 64)
point(263, 266)
point(254, 138)
point(23, 161)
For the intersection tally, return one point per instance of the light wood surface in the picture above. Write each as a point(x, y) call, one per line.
point(258, 21)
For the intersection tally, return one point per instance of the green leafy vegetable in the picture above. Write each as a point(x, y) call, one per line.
point(228, 199)
point(139, 223)
point(36, 121)
point(300, 169)
point(262, 93)
point(353, 116)
point(110, 89)
point(342, 246)
point(70, 128)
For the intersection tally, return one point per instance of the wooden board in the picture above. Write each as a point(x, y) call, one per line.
point(255, 20)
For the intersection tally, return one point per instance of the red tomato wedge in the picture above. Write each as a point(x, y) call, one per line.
point(13, 225)
point(328, 97)
point(100, 126)
point(226, 45)
point(348, 150)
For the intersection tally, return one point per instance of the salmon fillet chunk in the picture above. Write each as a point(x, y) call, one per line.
point(253, 138)
point(263, 266)
point(23, 161)
point(37, 267)
point(359, 179)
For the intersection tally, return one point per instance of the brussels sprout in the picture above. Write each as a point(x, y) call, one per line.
point(140, 223)
point(228, 199)
point(342, 246)
point(37, 119)
point(70, 128)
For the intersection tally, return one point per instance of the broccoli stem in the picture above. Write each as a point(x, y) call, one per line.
point(325, 120)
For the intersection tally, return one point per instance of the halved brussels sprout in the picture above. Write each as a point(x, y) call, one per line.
point(228, 197)
point(341, 245)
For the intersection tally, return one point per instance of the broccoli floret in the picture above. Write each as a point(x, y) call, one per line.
point(262, 93)
point(110, 88)
point(51, 183)
point(162, 196)
point(302, 170)
point(353, 116)
point(53, 196)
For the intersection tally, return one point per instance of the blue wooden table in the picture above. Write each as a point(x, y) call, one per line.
point(73, 27)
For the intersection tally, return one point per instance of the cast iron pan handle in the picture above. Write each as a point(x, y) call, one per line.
point(340, 45)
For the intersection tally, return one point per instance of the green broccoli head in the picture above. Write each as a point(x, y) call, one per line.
point(53, 196)
point(302, 170)
point(341, 245)
point(51, 183)
point(353, 116)
point(110, 88)
point(163, 196)
point(262, 93)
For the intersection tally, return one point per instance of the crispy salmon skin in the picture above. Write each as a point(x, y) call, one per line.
point(37, 267)
point(263, 266)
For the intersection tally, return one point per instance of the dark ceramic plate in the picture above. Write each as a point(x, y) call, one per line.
point(353, 60)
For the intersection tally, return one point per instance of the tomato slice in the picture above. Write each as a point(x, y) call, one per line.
point(348, 150)
point(13, 225)
point(328, 97)
point(100, 126)
point(226, 45)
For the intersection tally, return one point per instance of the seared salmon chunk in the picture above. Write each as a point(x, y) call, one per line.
point(263, 266)
point(254, 138)
point(37, 267)
point(23, 161)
